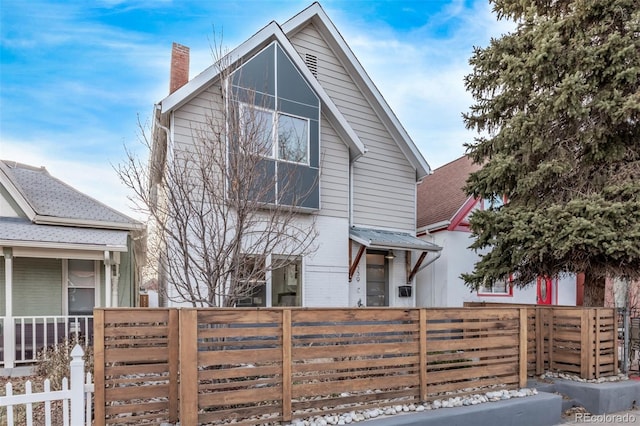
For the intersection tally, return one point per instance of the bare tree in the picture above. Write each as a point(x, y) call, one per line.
point(221, 219)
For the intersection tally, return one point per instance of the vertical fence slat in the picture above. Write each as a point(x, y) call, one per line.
point(98, 367)
point(423, 354)
point(550, 347)
point(188, 367)
point(539, 333)
point(597, 343)
point(286, 365)
point(523, 347)
point(174, 364)
point(615, 343)
point(585, 358)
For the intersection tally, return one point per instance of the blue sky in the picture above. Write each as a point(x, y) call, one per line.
point(76, 75)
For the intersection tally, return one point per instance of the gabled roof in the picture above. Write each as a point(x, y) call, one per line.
point(441, 195)
point(316, 15)
point(47, 200)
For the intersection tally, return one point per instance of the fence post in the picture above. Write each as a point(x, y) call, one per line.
point(286, 365)
point(626, 346)
point(76, 368)
point(188, 319)
point(423, 355)
point(523, 347)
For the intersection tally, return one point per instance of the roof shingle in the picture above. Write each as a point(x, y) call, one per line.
point(441, 194)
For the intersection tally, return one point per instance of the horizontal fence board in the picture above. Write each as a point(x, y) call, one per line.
point(370, 383)
point(137, 392)
point(355, 350)
point(238, 396)
point(462, 344)
point(330, 364)
point(148, 355)
point(225, 415)
point(235, 357)
point(239, 372)
point(436, 390)
point(154, 406)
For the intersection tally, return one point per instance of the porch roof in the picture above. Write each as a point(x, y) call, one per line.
point(378, 238)
point(18, 232)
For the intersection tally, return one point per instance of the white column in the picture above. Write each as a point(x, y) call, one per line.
point(9, 326)
point(107, 280)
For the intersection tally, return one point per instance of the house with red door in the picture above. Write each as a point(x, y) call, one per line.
point(443, 214)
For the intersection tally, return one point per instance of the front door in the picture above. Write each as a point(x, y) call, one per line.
point(545, 290)
point(377, 279)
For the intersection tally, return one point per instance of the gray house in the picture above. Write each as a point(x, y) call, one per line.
point(63, 253)
point(354, 160)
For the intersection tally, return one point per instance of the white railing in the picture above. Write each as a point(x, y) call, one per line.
point(30, 334)
point(76, 398)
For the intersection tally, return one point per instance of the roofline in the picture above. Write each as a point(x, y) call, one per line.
point(269, 33)
point(15, 192)
point(62, 246)
point(316, 13)
point(443, 224)
point(83, 223)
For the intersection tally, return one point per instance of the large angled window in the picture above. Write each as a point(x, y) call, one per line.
point(279, 114)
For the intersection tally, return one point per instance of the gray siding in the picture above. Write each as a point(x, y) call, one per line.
point(37, 286)
point(384, 180)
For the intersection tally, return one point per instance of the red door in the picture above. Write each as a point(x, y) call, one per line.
point(545, 290)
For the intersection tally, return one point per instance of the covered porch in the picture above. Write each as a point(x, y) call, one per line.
point(50, 283)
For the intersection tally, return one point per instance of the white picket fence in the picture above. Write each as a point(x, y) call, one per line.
point(75, 397)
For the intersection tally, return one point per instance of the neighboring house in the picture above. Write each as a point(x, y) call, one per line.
point(63, 253)
point(366, 165)
point(443, 219)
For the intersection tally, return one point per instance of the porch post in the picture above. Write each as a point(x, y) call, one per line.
point(9, 327)
point(107, 279)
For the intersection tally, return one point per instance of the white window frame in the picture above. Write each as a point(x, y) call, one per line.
point(275, 140)
point(65, 281)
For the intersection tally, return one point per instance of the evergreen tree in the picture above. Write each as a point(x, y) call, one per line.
point(557, 108)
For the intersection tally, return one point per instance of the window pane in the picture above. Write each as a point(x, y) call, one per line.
point(293, 135)
point(81, 301)
point(81, 273)
point(256, 128)
point(286, 284)
point(251, 285)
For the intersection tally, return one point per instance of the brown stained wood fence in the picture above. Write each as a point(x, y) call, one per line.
point(272, 364)
point(575, 340)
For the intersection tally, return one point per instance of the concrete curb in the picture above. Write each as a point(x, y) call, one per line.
point(601, 398)
point(543, 409)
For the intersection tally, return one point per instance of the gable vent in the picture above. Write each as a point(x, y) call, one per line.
point(312, 63)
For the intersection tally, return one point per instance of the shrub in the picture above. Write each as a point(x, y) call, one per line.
point(53, 361)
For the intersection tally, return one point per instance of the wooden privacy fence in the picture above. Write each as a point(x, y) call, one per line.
point(272, 364)
point(576, 340)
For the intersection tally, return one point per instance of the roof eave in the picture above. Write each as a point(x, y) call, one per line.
point(83, 223)
point(62, 246)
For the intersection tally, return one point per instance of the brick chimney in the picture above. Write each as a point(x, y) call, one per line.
point(179, 67)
